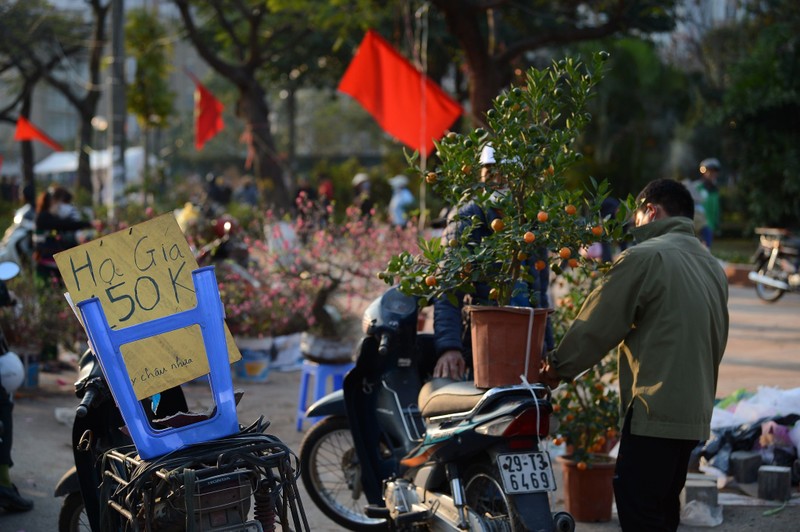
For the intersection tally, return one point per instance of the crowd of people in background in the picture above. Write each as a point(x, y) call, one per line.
point(9, 188)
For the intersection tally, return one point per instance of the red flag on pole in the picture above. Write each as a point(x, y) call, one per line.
point(207, 114)
point(27, 131)
point(406, 103)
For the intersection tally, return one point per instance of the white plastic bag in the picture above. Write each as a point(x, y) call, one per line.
point(794, 435)
point(697, 513)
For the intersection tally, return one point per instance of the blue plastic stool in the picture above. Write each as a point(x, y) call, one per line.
point(106, 342)
point(321, 373)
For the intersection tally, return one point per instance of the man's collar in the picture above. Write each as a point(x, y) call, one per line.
point(660, 227)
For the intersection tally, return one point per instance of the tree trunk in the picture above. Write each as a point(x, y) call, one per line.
point(84, 173)
point(253, 109)
point(26, 149)
point(146, 181)
point(487, 82)
point(291, 116)
point(486, 74)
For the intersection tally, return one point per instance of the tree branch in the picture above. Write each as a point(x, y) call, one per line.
point(215, 61)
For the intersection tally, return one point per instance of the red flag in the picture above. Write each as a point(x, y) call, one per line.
point(207, 114)
point(27, 131)
point(406, 103)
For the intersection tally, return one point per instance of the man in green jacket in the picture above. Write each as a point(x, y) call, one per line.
point(664, 304)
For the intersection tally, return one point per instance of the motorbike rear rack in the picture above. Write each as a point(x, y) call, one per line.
point(205, 487)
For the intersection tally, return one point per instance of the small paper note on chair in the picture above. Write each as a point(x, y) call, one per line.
point(139, 274)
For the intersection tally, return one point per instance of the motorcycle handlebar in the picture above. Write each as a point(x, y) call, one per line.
point(86, 402)
point(383, 347)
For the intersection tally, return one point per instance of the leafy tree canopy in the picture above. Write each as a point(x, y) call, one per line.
point(761, 111)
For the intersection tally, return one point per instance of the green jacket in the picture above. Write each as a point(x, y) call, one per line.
point(664, 303)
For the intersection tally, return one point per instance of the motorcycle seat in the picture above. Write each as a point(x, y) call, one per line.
point(446, 396)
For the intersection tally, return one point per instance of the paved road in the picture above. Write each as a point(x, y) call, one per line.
point(762, 351)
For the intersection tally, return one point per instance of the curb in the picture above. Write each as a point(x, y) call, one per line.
point(737, 274)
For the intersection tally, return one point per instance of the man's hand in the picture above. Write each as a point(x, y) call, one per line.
point(450, 365)
point(548, 374)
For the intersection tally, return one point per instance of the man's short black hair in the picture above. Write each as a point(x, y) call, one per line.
point(673, 196)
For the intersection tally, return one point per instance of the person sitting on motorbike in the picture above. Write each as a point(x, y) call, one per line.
point(451, 332)
point(57, 219)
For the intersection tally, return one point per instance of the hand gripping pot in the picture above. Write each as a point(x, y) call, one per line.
point(209, 315)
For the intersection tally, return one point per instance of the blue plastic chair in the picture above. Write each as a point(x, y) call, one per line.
point(209, 315)
point(322, 373)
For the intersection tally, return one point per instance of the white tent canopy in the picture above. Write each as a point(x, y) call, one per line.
point(66, 162)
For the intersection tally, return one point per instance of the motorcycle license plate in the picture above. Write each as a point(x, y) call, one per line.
point(526, 472)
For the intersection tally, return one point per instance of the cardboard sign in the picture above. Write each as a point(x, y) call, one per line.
point(140, 274)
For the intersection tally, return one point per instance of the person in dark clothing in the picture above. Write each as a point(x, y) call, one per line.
point(664, 305)
point(56, 223)
point(452, 335)
point(361, 194)
point(10, 499)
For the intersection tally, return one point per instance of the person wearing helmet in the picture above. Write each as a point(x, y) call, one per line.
point(709, 195)
point(452, 337)
point(402, 201)
point(361, 194)
point(11, 375)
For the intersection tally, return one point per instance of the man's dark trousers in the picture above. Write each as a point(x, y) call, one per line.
point(649, 477)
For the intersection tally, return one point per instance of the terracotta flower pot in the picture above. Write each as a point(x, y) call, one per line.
point(588, 493)
point(500, 337)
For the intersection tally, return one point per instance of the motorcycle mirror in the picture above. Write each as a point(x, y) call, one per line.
point(8, 270)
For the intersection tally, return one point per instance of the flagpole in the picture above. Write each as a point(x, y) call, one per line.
point(116, 131)
point(422, 15)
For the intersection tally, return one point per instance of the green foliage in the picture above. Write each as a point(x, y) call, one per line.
point(587, 407)
point(640, 110)
point(41, 318)
point(533, 130)
point(761, 110)
point(149, 97)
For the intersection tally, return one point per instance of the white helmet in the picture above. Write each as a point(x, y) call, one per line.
point(359, 178)
point(12, 372)
point(487, 155)
point(712, 163)
point(398, 181)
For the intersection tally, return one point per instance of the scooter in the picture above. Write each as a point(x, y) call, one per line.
point(227, 251)
point(392, 454)
point(210, 486)
point(96, 430)
point(776, 264)
point(17, 243)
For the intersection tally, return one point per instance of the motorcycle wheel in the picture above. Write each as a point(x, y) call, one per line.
point(332, 475)
point(484, 494)
point(767, 293)
point(72, 517)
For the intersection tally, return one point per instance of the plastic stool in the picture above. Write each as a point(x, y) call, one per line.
point(321, 373)
point(209, 314)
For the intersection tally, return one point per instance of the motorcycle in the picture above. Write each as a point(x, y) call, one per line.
point(776, 264)
point(95, 430)
point(393, 454)
point(210, 486)
point(227, 251)
point(17, 243)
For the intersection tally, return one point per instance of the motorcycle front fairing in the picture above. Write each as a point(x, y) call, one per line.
point(98, 431)
point(361, 406)
point(380, 401)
